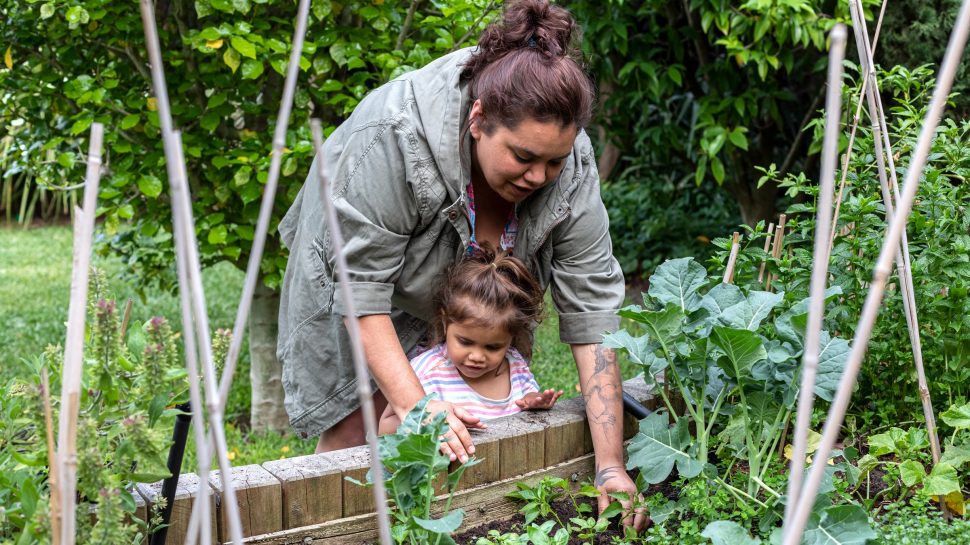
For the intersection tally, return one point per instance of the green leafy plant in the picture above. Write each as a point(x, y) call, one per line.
point(128, 388)
point(412, 463)
point(730, 367)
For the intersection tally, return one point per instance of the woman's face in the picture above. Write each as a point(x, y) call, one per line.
point(516, 163)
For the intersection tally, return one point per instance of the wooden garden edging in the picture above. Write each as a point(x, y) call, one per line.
point(307, 498)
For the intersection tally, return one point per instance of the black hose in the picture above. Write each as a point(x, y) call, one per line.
point(633, 407)
point(180, 433)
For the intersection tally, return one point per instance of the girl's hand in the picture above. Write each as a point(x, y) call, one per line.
point(538, 400)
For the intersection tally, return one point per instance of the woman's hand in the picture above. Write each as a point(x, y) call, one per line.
point(615, 479)
point(457, 443)
point(538, 400)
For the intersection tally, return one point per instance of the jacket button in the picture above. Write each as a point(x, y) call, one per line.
point(453, 215)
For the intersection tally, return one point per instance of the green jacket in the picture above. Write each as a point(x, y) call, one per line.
point(398, 168)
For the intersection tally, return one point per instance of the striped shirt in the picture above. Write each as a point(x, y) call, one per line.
point(440, 378)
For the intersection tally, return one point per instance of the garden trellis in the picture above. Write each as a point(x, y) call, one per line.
point(214, 389)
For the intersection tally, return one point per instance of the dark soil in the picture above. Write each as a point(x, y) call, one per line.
point(565, 511)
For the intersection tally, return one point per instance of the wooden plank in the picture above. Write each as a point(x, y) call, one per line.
point(481, 504)
point(564, 436)
point(576, 406)
point(185, 494)
point(354, 463)
point(312, 489)
point(521, 444)
point(487, 470)
point(259, 496)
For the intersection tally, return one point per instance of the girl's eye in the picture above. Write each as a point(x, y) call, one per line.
point(521, 159)
point(494, 347)
point(464, 342)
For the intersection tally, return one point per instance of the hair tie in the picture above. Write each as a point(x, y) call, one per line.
point(532, 41)
point(494, 266)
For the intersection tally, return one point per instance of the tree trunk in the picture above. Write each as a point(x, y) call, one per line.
point(756, 203)
point(265, 371)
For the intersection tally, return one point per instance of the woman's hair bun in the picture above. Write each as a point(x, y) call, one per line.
point(528, 65)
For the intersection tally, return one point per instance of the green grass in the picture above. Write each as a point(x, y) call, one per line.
point(35, 277)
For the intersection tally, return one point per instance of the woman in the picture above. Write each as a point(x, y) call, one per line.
point(482, 145)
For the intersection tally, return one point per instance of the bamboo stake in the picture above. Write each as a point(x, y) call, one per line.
point(776, 248)
point(74, 345)
point(185, 231)
point(353, 328)
point(53, 484)
point(768, 238)
point(903, 260)
point(127, 317)
point(873, 301)
point(203, 450)
point(729, 271)
point(266, 206)
point(855, 125)
point(820, 265)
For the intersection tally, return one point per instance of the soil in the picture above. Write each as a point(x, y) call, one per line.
point(564, 510)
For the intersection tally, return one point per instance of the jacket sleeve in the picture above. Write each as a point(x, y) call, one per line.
point(587, 282)
point(368, 168)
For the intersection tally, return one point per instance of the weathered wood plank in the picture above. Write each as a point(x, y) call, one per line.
point(521, 444)
point(312, 489)
point(487, 470)
point(353, 463)
point(259, 496)
point(481, 504)
point(185, 495)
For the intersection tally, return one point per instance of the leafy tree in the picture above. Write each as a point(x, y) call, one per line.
point(705, 90)
point(68, 63)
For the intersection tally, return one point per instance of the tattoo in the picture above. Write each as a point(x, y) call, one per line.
point(605, 474)
point(600, 401)
point(605, 359)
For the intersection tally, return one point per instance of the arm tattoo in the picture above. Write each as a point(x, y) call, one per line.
point(605, 359)
point(602, 391)
point(605, 474)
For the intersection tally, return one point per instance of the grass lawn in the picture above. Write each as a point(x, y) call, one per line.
point(35, 277)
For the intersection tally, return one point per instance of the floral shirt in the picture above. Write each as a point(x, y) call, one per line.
point(507, 240)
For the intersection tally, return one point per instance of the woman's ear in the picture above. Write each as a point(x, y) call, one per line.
point(475, 118)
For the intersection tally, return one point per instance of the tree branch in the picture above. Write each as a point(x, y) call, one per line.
point(408, 20)
point(790, 158)
point(471, 30)
point(135, 59)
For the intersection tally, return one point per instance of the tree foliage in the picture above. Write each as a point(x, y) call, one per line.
point(68, 63)
point(705, 90)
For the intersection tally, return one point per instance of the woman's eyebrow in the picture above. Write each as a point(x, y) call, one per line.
point(529, 153)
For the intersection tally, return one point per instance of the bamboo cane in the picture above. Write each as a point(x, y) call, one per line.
point(202, 448)
point(127, 317)
point(776, 247)
point(855, 125)
point(53, 484)
point(873, 301)
point(185, 230)
point(353, 329)
point(820, 265)
point(74, 345)
point(768, 239)
point(903, 261)
point(266, 206)
point(729, 271)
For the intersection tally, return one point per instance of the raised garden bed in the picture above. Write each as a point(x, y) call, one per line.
point(307, 499)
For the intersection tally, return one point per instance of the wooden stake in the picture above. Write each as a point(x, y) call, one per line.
point(776, 247)
point(127, 317)
point(74, 345)
point(820, 266)
point(768, 235)
point(53, 484)
point(729, 271)
point(903, 261)
point(870, 310)
point(353, 329)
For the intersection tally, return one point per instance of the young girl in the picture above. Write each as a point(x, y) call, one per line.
point(481, 340)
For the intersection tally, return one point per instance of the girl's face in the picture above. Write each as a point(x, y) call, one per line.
point(516, 163)
point(476, 350)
